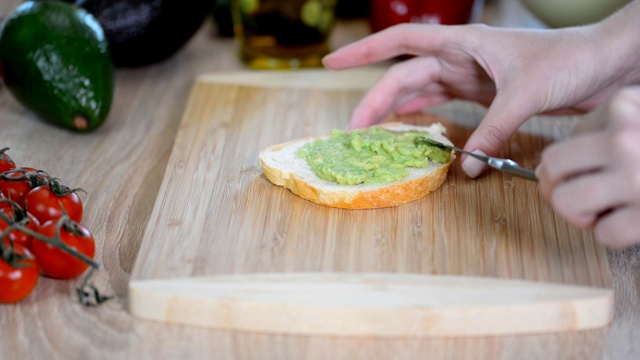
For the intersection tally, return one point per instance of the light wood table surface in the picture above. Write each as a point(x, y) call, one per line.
point(121, 166)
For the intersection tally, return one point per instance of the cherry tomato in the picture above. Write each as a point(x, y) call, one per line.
point(4, 204)
point(6, 163)
point(18, 237)
point(18, 190)
point(43, 203)
point(17, 282)
point(57, 263)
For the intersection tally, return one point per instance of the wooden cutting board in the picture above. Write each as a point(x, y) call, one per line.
point(225, 248)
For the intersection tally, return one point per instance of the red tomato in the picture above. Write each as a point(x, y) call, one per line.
point(3, 204)
point(45, 205)
point(386, 13)
point(18, 190)
point(18, 237)
point(6, 163)
point(16, 283)
point(57, 263)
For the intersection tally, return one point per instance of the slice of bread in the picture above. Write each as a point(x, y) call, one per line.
point(283, 167)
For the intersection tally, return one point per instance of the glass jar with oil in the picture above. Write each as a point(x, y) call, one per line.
point(282, 34)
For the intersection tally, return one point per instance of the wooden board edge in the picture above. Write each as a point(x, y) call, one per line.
point(371, 304)
point(321, 79)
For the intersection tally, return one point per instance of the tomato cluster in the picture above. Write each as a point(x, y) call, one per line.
point(40, 230)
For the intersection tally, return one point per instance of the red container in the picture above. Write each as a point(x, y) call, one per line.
point(385, 13)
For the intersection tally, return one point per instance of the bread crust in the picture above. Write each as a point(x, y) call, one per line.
point(353, 196)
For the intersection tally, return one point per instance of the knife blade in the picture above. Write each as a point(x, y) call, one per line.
point(505, 165)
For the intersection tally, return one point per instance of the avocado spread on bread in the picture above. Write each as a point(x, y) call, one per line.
point(371, 156)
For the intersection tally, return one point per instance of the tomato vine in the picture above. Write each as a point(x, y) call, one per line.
point(55, 245)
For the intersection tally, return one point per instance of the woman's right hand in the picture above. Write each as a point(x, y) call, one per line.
point(517, 73)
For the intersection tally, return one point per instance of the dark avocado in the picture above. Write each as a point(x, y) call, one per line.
point(56, 62)
point(142, 32)
point(221, 15)
point(352, 9)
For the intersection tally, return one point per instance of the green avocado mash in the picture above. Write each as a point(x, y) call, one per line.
point(371, 156)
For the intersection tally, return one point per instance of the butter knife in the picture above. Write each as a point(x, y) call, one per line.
point(505, 165)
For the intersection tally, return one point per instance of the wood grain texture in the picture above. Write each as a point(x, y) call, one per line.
point(215, 196)
point(233, 221)
point(122, 166)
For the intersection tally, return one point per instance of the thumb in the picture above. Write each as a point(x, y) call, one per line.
point(502, 120)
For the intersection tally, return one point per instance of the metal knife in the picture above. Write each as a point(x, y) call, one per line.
point(505, 165)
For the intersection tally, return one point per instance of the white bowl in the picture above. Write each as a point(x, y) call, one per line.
point(562, 13)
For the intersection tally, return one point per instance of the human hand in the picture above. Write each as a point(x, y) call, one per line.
point(515, 72)
point(593, 178)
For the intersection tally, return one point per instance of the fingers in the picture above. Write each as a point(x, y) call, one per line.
point(593, 179)
point(582, 199)
point(602, 200)
point(619, 228)
point(398, 40)
point(625, 108)
point(397, 88)
point(502, 120)
point(627, 151)
point(624, 128)
point(561, 161)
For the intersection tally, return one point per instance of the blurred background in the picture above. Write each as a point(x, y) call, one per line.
point(143, 32)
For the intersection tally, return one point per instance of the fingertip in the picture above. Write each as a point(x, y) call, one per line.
point(328, 60)
point(345, 57)
point(365, 114)
point(473, 167)
point(356, 123)
point(325, 63)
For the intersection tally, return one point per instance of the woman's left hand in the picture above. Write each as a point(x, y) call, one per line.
point(593, 178)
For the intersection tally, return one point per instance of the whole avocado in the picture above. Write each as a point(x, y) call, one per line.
point(143, 32)
point(55, 59)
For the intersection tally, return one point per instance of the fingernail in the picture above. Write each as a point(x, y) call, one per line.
point(473, 167)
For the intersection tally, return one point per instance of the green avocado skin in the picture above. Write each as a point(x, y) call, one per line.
point(56, 62)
